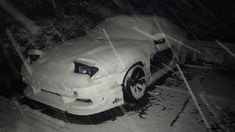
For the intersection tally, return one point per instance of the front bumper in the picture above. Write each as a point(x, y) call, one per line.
point(100, 101)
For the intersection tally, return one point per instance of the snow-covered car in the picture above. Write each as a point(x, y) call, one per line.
point(112, 65)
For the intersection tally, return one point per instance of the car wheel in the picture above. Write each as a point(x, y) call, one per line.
point(134, 84)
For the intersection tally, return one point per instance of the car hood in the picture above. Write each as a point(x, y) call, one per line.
point(56, 66)
point(110, 57)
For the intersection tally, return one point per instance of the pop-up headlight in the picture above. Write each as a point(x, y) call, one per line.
point(84, 69)
point(34, 55)
point(33, 58)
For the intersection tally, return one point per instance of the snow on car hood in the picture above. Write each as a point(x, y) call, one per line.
point(117, 56)
point(55, 69)
point(109, 57)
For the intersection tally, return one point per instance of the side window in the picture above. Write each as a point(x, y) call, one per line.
point(160, 59)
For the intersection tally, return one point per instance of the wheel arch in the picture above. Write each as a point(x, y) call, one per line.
point(127, 94)
point(129, 68)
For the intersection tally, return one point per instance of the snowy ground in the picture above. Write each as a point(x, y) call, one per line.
point(168, 108)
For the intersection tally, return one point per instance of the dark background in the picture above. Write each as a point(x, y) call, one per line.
point(202, 19)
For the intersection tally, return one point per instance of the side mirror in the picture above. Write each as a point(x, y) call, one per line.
point(159, 41)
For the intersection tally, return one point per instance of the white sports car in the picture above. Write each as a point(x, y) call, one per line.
point(112, 65)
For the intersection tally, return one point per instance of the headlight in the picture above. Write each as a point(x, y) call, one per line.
point(84, 69)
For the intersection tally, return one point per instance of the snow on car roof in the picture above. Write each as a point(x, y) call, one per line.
point(121, 27)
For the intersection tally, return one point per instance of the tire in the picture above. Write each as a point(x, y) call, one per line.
point(134, 86)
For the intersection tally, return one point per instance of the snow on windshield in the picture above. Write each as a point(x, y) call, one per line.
point(121, 27)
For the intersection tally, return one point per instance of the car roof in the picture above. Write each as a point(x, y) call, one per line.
point(126, 26)
point(123, 27)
